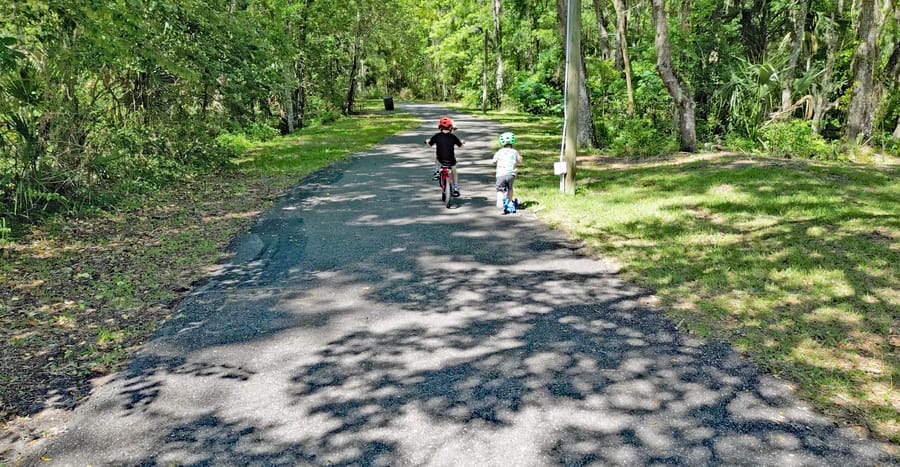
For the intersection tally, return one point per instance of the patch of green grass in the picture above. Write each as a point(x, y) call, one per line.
point(312, 148)
point(793, 262)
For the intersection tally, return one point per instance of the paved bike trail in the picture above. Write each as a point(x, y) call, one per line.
point(362, 323)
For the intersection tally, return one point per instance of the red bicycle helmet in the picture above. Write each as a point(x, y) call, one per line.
point(445, 122)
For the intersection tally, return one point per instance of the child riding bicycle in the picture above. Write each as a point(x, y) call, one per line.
point(446, 142)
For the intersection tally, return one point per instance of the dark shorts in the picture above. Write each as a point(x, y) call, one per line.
point(505, 182)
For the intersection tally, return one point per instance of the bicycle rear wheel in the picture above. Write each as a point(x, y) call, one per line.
point(447, 195)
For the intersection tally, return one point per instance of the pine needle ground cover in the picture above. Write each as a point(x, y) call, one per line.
point(795, 263)
point(77, 295)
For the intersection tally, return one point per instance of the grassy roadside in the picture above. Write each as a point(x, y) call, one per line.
point(77, 295)
point(795, 263)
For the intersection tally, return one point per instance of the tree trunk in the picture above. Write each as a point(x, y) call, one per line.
point(796, 46)
point(862, 95)
point(684, 103)
point(623, 43)
point(300, 100)
point(587, 134)
point(685, 16)
point(354, 64)
point(498, 45)
point(354, 69)
point(484, 73)
point(603, 43)
point(892, 71)
point(821, 101)
point(288, 101)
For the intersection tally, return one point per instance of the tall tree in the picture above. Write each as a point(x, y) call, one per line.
point(623, 44)
point(684, 103)
point(863, 98)
point(796, 46)
point(601, 14)
point(822, 92)
point(355, 59)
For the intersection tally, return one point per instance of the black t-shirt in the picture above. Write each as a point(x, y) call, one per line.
point(445, 143)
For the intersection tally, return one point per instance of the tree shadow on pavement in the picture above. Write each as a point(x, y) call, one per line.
point(368, 333)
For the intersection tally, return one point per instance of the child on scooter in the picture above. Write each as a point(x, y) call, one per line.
point(506, 159)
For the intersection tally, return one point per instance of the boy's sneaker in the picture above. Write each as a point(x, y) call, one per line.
point(436, 175)
point(455, 190)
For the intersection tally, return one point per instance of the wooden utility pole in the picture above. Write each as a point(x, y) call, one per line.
point(573, 84)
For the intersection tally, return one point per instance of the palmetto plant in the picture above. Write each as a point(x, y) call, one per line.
point(750, 94)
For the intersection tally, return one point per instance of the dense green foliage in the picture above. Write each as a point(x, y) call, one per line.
point(101, 98)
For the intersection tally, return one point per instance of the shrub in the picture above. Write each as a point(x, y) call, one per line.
point(261, 132)
point(5, 232)
point(537, 98)
point(234, 144)
point(738, 142)
point(795, 138)
point(637, 137)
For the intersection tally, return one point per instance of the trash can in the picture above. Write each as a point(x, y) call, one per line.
point(388, 103)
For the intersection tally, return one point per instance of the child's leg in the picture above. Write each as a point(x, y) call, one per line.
point(453, 176)
point(501, 192)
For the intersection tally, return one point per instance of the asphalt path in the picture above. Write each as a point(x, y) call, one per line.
point(360, 322)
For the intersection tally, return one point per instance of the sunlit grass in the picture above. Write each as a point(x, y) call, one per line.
point(795, 263)
point(309, 149)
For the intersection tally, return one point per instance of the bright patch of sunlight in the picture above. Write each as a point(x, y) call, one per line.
point(721, 189)
point(634, 243)
point(775, 256)
point(889, 296)
point(831, 283)
point(881, 392)
point(711, 239)
point(816, 231)
point(832, 314)
point(812, 353)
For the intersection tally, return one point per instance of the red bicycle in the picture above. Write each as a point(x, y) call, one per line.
point(446, 185)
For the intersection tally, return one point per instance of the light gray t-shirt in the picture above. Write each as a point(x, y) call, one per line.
point(506, 160)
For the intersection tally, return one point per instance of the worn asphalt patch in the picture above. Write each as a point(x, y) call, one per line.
point(362, 323)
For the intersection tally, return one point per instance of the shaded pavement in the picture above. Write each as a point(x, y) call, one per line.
point(361, 323)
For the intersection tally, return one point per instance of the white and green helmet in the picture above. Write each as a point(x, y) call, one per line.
point(507, 138)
